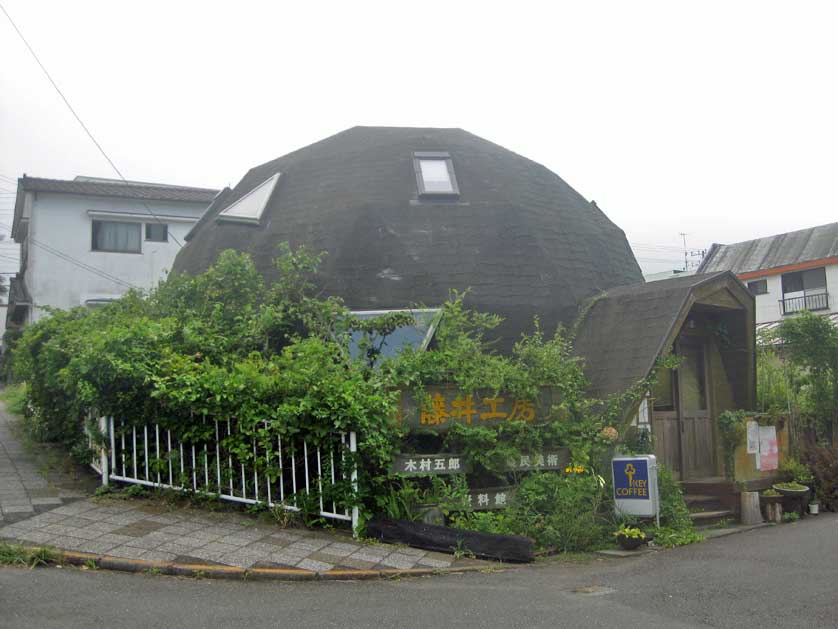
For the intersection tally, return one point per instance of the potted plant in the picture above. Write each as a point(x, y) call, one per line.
point(814, 507)
point(792, 489)
point(770, 496)
point(630, 537)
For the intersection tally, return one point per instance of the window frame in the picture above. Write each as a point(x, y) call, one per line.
point(817, 290)
point(763, 283)
point(438, 156)
point(165, 227)
point(270, 183)
point(95, 249)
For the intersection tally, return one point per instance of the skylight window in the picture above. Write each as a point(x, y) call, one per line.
point(249, 208)
point(418, 335)
point(435, 173)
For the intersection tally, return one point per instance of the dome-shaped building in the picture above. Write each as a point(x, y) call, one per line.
point(406, 214)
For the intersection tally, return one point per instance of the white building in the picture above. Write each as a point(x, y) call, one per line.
point(88, 240)
point(786, 273)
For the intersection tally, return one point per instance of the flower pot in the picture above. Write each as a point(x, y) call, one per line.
point(792, 493)
point(630, 543)
point(814, 508)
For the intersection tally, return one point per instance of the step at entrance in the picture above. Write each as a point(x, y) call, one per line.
point(711, 500)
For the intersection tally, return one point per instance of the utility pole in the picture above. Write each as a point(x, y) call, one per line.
point(686, 262)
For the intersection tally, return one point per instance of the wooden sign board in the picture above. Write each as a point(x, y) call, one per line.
point(553, 459)
point(446, 405)
point(491, 498)
point(429, 464)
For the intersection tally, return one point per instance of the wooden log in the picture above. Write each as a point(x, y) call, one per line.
point(512, 548)
point(749, 507)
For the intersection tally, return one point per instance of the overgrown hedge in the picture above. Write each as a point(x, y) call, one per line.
point(276, 357)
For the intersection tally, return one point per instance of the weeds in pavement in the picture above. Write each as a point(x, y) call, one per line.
point(17, 555)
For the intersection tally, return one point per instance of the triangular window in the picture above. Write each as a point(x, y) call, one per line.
point(417, 336)
point(249, 208)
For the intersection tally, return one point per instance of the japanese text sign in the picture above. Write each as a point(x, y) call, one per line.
point(490, 499)
point(424, 464)
point(555, 459)
point(444, 406)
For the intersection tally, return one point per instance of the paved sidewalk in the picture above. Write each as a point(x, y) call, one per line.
point(23, 490)
point(38, 512)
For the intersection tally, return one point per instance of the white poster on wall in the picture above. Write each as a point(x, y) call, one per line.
point(753, 437)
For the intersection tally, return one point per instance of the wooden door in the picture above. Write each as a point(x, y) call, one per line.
point(695, 418)
point(666, 426)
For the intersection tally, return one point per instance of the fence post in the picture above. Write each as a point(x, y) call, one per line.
point(103, 450)
point(353, 448)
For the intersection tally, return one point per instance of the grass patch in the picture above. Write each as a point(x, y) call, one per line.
point(571, 557)
point(14, 396)
point(17, 555)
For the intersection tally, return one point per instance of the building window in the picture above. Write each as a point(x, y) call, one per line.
point(117, 236)
point(416, 336)
point(157, 232)
point(805, 290)
point(435, 173)
point(249, 207)
point(758, 287)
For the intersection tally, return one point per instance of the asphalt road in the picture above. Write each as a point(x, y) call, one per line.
point(772, 577)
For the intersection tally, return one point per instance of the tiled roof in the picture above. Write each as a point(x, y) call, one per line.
point(523, 240)
point(129, 190)
point(623, 333)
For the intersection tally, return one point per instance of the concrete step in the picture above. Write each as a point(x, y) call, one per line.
point(709, 518)
point(700, 498)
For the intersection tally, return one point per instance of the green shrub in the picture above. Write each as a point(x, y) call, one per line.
point(223, 344)
point(558, 511)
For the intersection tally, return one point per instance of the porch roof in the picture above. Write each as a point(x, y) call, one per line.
point(626, 329)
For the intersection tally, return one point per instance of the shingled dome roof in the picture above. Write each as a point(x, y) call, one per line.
point(521, 238)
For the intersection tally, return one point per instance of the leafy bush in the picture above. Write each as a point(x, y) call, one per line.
point(223, 344)
point(811, 344)
point(794, 470)
point(559, 511)
point(731, 425)
point(823, 462)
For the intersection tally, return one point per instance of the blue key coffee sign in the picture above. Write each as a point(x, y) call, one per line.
point(631, 479)
point(636, 485)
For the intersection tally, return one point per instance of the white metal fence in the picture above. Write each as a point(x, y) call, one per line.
point(154, 456)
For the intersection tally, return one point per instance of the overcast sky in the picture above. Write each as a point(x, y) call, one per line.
point(716, 119)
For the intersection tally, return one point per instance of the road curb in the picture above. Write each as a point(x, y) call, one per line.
point(213, 571)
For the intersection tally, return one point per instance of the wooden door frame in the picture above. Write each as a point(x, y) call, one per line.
point(701, 342)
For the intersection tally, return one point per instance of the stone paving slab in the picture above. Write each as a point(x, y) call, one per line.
point(36, 511)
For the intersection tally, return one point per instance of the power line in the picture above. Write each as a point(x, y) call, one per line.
point(68, 258)
point(79, 120)
point(82, 265)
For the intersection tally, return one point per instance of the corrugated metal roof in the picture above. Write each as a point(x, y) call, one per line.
point(804, 245)
point(770, 326)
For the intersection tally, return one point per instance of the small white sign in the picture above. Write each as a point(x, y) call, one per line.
point(753, 437)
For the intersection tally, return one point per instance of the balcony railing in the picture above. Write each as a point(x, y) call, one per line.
point(817, 301)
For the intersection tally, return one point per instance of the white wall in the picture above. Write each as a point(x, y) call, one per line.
point(64, 223)
point(768, 305)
